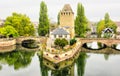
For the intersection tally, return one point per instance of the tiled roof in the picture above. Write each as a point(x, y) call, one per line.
point(59, 31)
point(67, 7)
point(108, 29)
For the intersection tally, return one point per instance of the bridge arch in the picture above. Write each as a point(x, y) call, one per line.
point(99, 46)
point(37, 39)
point(108, 42)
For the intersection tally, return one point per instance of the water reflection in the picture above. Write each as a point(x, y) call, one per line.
point(86, 64)
point(44, 69)
point(17, 59)
point(7, 49)
point(106, 56)
point(81, 61)
point(31, 44)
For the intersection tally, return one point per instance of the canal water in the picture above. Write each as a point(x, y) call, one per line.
point(22, 62)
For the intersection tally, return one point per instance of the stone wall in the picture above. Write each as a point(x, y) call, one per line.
point(108, 42)
point(7, 42)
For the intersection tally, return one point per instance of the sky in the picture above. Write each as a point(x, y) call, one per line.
point(94, 9)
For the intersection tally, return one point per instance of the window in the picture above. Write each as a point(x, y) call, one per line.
point(60, 36)
point(54, 36)
point(65, 36)
point(69, 13)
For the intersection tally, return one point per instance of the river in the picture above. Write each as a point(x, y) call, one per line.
point(19, 62)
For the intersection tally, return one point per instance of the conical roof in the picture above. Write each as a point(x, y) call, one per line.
point(67, 7)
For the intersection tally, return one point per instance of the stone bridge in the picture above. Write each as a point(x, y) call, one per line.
point(19, 40)
point(108, 42)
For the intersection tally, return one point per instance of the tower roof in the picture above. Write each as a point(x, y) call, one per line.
point(67, 7)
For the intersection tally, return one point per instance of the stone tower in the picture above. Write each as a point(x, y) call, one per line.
point(67, 19)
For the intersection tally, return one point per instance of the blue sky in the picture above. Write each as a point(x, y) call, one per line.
point(94, 9)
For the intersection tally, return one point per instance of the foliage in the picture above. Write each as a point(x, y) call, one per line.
point(81, 22)
point(62, 72)
point(31, 44)
point(44, 69)
point(18, 59)
point(100, 27)
point(57, 42)
point(43, 28)
point(107, 35)
point(9, 31)
point(58, 17)
point(21, 23)
point(106, 23)
point(61, 42)
point(81, 62)
point(72, 41)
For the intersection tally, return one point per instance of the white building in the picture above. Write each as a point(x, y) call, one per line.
point(60, 33)
point(108, 33)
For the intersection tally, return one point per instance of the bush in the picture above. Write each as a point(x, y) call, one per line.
point(72, 41)
point(61, 42)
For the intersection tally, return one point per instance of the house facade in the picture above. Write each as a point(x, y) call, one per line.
point(108, 33)
point(60, 33)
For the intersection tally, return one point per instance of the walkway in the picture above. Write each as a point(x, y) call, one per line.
point(56, 58)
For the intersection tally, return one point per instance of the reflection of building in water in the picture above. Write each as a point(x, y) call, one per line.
point(7, 49)
point(62, 67)
point(68, 71)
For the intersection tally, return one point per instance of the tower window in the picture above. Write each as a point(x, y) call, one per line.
point(64, 13)
point(69, 13)
point(61, 13)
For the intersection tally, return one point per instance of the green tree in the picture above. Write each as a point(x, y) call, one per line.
point(57, 42)
point(100, 27)
point(81, 22)
point(44, 69)
point(61, 42)
point(107, 19)
point(58, 18)
point(21, 23)
point(9, 31)
point(106, 23)
point(72, 41)
point(17, 59)
point(43, 28)
point(81, 62)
